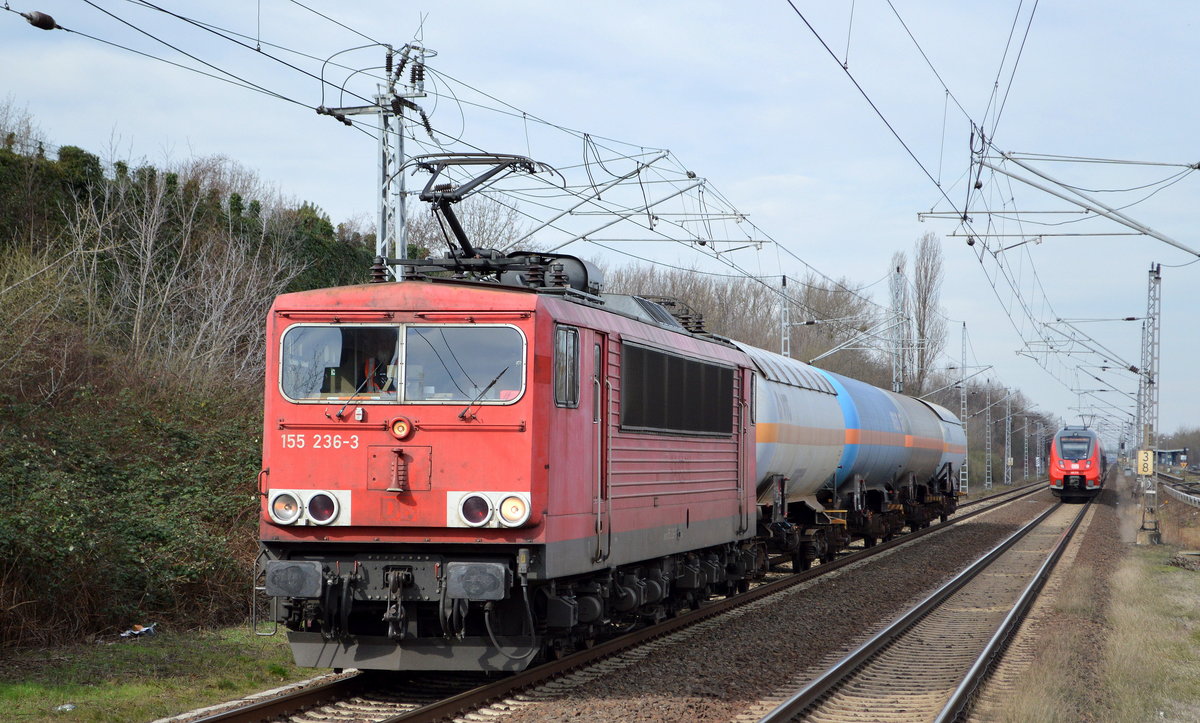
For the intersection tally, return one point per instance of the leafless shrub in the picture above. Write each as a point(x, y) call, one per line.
point(34, 344)
point(173, 287)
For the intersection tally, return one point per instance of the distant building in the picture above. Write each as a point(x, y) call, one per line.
point(1172, 457)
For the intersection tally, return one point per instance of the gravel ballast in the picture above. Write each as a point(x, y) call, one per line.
point(719, 676)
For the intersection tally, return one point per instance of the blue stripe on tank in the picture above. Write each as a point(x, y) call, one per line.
point(849, 421)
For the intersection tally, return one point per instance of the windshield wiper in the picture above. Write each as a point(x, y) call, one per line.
point(467, 409)
point(351, 398)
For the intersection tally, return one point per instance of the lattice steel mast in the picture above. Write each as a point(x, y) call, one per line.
point(1148, 399)
point(395, 96)
point(963, 479)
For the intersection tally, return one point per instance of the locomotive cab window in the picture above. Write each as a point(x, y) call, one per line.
point(428, 364)
point(446, 363)
point(332, 362)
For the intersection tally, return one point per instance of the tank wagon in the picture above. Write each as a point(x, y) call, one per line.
point(471, 473)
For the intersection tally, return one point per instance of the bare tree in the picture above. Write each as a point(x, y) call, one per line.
point(739, 308)
point(928, 323)
point(825, 315)
point(900, 332)
point(173, 288)
point(919, 334)
point(34, 351)
point(18, 132)
point(488, 224)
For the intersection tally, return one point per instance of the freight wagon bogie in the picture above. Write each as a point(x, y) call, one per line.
point(820, 527)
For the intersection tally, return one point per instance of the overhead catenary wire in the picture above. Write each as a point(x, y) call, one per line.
point(598, 162)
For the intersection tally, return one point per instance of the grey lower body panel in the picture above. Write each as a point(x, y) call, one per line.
point(588, 554)
point(312, 650)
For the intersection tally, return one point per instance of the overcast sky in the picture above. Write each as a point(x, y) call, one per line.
point(749, 98)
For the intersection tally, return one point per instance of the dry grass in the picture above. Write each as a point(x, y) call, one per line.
point(1121, 646)
point(1180, 523)
point(1152, 657)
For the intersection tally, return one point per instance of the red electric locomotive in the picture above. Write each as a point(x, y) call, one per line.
point(1077, 463)
point(491, 460)
point(436, 451)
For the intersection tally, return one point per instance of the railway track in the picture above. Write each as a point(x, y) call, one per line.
point(929, 663)
point(397, 697)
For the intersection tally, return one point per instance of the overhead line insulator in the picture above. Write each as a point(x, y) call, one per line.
point(322, 110)
point(40, 20)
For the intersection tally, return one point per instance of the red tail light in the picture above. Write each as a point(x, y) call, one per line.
point(476, 510)
point(322, 508)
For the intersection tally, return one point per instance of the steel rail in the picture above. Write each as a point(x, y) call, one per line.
point(322, 694)
point(959, 704)
point(503, 688)
point(291, 703)
point(1177, 488)
point(833, 676)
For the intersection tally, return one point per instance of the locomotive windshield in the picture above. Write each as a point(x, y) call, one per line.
point(425, 363)
point(1074, 447)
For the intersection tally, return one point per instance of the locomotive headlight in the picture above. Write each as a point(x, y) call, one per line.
point(514, 511)
point(401, 428)
point(322, 508)
point(475, 510)
point(284, 508)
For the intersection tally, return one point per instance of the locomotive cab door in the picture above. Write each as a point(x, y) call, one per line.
point(600, 401)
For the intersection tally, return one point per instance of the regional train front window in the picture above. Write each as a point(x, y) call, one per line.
point(1074, 447)
point(425, 364)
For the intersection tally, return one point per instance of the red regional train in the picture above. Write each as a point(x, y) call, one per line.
point(1077, 464)
point(492, 460)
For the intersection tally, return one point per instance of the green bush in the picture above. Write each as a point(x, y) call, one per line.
point(131, 507)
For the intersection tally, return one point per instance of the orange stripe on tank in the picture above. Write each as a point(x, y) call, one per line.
point(891, 439)
point(774, 432)
point(770, 432)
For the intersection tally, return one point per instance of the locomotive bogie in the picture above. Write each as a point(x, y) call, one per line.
point(432, 612)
